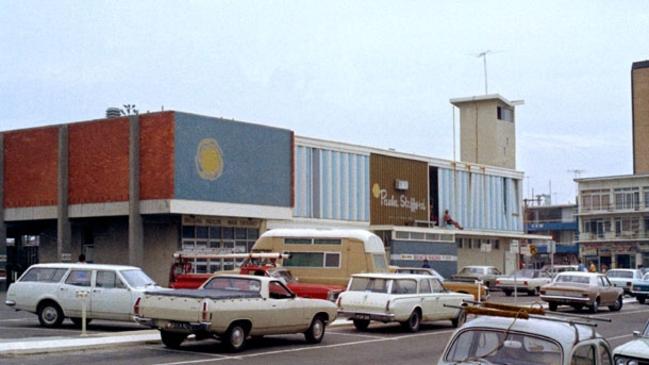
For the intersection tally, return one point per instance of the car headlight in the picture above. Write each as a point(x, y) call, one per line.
point(621, 360)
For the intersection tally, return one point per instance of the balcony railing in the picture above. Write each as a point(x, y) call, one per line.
point(613, 207)
point(611, 236)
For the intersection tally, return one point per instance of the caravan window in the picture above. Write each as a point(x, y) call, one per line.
point(379, 263)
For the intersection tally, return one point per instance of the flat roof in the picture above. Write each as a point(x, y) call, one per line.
point(612, 177)
point(640, 64)
point(488, 97)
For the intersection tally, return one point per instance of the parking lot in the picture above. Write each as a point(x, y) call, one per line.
point(381, 344)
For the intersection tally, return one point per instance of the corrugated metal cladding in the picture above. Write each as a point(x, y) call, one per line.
point(480, 201)
point(331, 184)
point(398, 207)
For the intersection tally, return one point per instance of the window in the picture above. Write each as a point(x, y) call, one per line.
point(437, 286)
point(584, 355)
point(374, 285)
point(645, 192)
point(595, 199)
point(404, 286)
point(424, 287)
point(277, 291)
point(627, 198)
point(313, 259)
point(137, 278)
point(505, 113)
point(379, 263)
point(41, 274)
point(79, 278)
point(232, 284)
point(106, 279)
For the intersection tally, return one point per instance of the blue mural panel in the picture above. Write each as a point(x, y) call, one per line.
point(232, 162)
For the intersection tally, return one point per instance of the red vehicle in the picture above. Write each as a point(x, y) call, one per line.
point(185, 272)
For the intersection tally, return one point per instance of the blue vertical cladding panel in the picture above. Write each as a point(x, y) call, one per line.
point(341, 187)
point(256, 161)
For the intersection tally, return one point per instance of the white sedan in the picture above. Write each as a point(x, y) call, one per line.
point(54, 292)
point(635, 351)
point(407, 299)
point(526, 280)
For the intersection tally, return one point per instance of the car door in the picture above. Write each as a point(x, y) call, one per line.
point(77, 280)
point(444, 297)
point(429, 300)
point(111, 298)
point(610, 290)
point(286, 311)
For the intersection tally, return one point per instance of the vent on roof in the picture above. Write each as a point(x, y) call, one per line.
point(113, 112)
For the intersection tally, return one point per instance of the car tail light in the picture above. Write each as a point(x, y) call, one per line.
point(525, 283)
point(205, 314)
point(136, 306)
point(497, 282)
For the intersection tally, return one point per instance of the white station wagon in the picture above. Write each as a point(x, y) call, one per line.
point(403, 298)
point(51, 291)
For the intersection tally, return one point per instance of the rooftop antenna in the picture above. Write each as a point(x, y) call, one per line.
point(576, 173)
point(484, 54)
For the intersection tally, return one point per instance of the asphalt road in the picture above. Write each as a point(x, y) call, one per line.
point(381, 344)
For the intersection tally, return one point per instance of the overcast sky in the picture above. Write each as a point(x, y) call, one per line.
point(373, 73)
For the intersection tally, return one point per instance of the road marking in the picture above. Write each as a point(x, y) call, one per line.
point(306, 348)
point(618, 337)
point(62, 331)
point(17, 320)
point(354, 334)
point(186, 352)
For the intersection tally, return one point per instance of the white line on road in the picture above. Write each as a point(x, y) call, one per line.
point(306, 348)
point(17, 320)
point(354, 334)
point(62, 331)
point(187, 352)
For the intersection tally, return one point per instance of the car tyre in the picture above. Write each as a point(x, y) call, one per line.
point(617, 306)
point(413, 322)
point(361, 324)
point(460, 319)
point(172, 340)
point(641, 299)
point(553, 306)
point(316, 331)
point(50, 315)
point(77, 321)
point(235, 337)
point(508, 293)
point(594, 308)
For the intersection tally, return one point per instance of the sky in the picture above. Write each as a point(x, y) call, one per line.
point(375, 73)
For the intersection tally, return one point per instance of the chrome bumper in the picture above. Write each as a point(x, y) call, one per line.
point(382, 317)
point(10, 303)
point(561, 299)
point(173, 325)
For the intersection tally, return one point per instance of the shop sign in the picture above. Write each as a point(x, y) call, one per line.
point(421, 257)
point(402, 201)
point(192, 220)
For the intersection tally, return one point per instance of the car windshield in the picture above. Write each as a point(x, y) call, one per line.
point(572, 279)
point(619, 274)
point(137, 279)
point(284, 275)
point(234, 284)
point(527, 273)
point(470, 271)
point(494, 348)
point(646, 277)
point(374, 285)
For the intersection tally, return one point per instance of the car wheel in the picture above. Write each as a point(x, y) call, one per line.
point(172, 340)
point(316, 331)
point(77, 321)
point(361, 324)
point(594, 308)
point(508, 293)
point(50, 315)
point(460, 319)
point(413, 322)
point(235, 337)
point(641, 299)
point(617, 306)
point(553, 306)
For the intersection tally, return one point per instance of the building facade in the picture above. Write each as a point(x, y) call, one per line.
point(614, 220)
point(559, 222)
point(640, 108)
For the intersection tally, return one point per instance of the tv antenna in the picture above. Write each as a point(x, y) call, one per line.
point(484, 54)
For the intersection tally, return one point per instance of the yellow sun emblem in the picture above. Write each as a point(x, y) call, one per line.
point(209, 159)
point(376, 190)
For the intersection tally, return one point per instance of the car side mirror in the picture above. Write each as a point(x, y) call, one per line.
point(636, 333)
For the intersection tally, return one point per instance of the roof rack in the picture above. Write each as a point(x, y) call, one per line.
point(519, 312)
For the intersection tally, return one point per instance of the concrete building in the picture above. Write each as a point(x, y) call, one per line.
point(640, 107)
point(133, 190)
point(559, 222)
point(488, 130)
point(614, 220)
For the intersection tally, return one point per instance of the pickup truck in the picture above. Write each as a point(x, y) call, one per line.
point(467, 287)
point(233, 308)
point(254, 264)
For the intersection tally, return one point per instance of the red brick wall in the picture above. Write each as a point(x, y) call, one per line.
point(157, 156)
point(30, 169)
point(98, 161)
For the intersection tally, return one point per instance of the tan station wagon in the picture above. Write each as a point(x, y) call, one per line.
point(582, 289)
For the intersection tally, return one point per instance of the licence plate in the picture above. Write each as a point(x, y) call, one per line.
point(362, 316)
point(179, 325)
